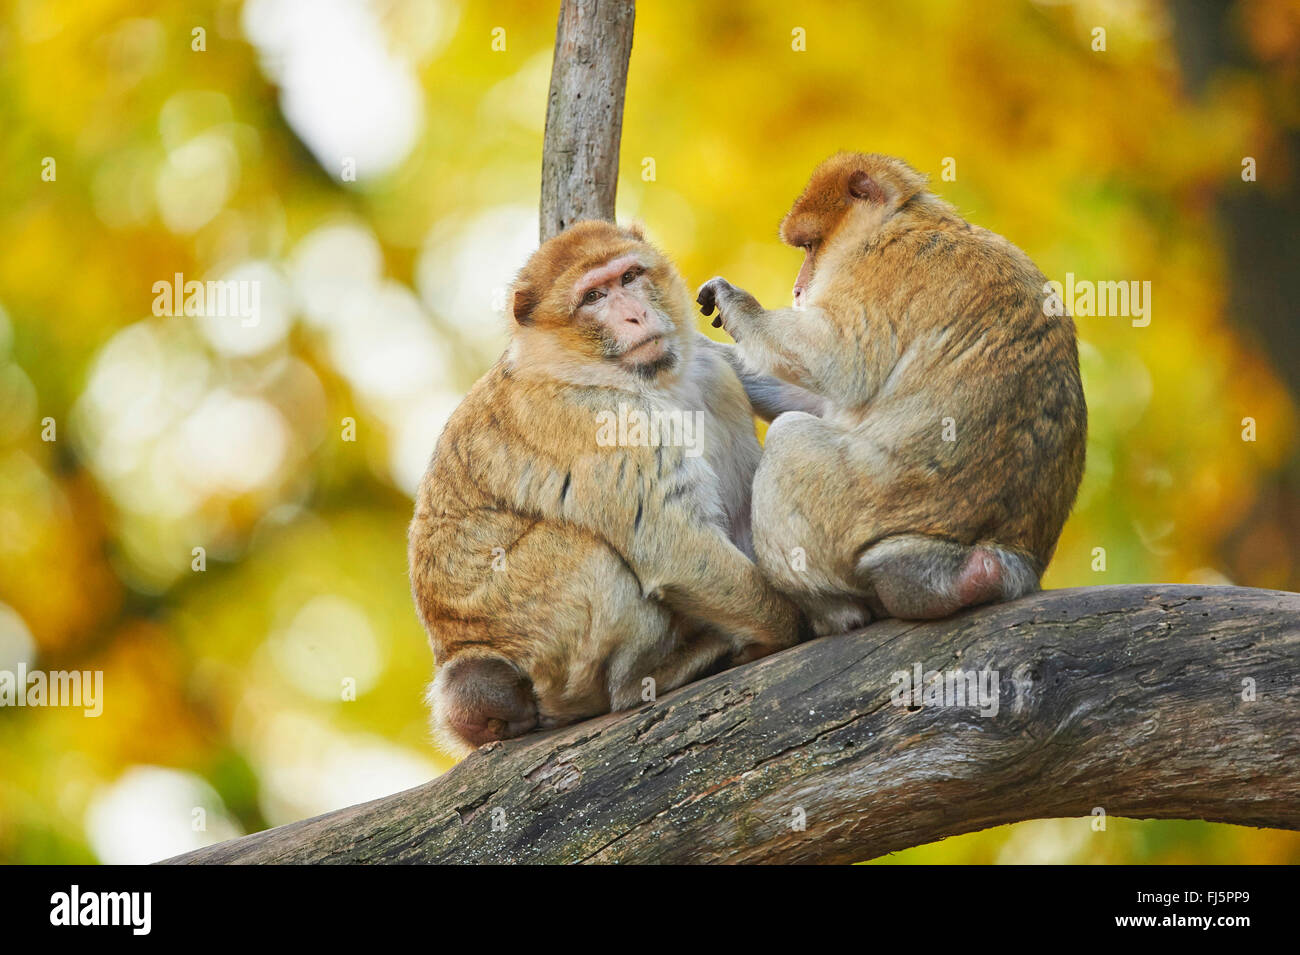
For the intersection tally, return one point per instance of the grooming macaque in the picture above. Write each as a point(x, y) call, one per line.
point(559, 562)
point(934, 439)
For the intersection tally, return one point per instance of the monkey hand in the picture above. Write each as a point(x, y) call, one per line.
point(708, 297)
point(730, 302)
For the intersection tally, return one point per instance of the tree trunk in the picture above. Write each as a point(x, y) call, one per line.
point(1261, 245)
point(584, 112)
point(1169, 702)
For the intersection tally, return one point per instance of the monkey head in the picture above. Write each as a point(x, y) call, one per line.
point(600, 294)
point(849, 198)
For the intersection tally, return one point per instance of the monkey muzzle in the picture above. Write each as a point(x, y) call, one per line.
point(803, 279)
point(649, 349)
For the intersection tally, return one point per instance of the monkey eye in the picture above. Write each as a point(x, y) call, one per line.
point(631, 275)
point(592, 296)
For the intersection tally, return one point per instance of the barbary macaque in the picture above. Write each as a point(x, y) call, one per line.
point(581, 538)
point(933, 436)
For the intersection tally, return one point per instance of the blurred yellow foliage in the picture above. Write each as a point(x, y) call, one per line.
point(202, 523)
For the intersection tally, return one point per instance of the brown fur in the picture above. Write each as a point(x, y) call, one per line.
point(910, 315)
point(613, 564)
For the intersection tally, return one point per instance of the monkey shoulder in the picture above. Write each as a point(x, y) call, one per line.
point(719, 388)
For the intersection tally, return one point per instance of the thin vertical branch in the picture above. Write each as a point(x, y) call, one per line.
point(584, 112)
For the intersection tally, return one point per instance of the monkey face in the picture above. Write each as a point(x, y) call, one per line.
point(617, 306)
point(864, 187)
point(601, 294)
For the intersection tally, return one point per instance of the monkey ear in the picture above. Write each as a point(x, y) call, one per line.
point(862, 186)
point(635, 231)
point(522, 302)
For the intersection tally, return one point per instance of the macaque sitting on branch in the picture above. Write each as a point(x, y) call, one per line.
point(581, 538)
point(934, 424)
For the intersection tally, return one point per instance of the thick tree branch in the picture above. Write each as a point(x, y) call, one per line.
point(584, 112)
point(1125, 698)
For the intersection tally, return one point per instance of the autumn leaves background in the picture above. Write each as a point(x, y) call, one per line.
point(374, 167)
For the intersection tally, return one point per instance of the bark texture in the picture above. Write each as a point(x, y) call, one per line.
point(584, 113)
point(1135, 700)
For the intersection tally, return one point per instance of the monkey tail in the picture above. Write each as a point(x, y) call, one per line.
point(477, 697)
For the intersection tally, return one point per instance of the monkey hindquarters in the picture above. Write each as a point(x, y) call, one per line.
point(480, 698)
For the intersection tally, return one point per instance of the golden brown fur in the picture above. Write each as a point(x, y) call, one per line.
point(911, 325)
point(554, 574)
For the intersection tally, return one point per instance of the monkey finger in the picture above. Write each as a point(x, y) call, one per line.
point(708, 294)
point(717, 321)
